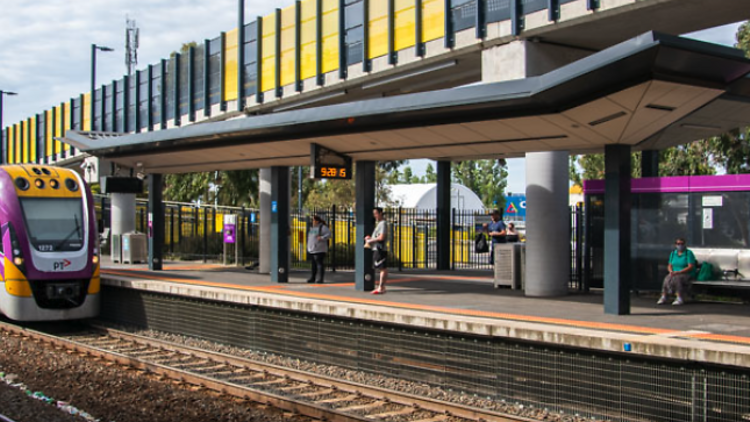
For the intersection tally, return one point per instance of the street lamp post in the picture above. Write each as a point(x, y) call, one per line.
point(2, 128)
point(92, 107)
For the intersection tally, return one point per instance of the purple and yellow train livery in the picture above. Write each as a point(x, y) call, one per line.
point(50, 249)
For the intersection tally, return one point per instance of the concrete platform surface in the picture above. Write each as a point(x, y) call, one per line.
point(466, 302)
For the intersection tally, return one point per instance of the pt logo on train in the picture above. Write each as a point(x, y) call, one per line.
point(61, 265)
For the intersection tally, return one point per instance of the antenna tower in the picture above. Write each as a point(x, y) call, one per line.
point(131, 45)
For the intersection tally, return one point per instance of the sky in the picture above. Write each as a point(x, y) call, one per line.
point(45, 47)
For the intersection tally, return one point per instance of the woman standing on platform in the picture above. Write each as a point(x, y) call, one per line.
point(681, 269)
point(317, 248)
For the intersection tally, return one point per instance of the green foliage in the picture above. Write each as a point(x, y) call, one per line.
point(234, 188)
point(693, 159)
point(429, 174)
point(487, 178)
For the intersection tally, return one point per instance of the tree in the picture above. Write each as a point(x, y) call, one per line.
point(231, 188)
point(732, 150)
point(429, 174)
point(487, 178)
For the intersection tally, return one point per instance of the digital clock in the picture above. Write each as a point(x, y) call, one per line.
point(332, 172)
point(327, 164)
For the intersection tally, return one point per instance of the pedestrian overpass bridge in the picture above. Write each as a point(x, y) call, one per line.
point(556, 77)
point(320, 52)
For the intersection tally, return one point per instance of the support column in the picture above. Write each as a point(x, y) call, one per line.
point(155, 222)
point(264, 265)
point(444, 215)
point(650, 163)
point(547, 224)
point(617, 229)
point(280, 224)
point(365, 202)
point(122, 213)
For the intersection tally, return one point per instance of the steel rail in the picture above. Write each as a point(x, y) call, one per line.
point(352, 390)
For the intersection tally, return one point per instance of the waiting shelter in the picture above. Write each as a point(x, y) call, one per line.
point(651, 92)
point(712, 213)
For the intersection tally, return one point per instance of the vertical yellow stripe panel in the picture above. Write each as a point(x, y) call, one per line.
point(50, 128)
point(269, 53)
point(378, 29)
point(66, 122)
point(17, 148)
point(25, 141)
point(433, 20)
point(405, 24)
point(58, 127)
point(33, 139)
point(11, 145)
point(87, 111)
point(330, 35)
point(308, 40)
point(230, 65)
point(288, 45)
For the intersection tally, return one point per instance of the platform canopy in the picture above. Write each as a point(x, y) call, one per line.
point(651, 92)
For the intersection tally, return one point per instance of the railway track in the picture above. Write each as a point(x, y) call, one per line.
point(299, 392)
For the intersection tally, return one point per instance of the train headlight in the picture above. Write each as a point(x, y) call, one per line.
point(54, 184)
point(71, 184)
point(95, 259)
point(39, 183)
point(18, 261)
point(22, 183)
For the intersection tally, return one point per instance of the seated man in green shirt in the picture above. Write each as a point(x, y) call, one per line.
point(681, 268)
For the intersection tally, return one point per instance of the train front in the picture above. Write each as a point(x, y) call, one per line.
point(50, 256)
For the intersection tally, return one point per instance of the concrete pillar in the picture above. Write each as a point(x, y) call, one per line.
point(650, 163)
point(547, 208)
point(123, 213)
point(365, 202)
point(155, 222)
point(617, 234)
point(522, 59)
point(280, 249)
point(444, 215)
point(264, 265)
point(547, 224)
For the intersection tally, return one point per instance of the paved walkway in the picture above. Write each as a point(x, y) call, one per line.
point(472, 295)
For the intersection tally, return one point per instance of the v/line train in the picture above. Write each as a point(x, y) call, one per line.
point(49, 249)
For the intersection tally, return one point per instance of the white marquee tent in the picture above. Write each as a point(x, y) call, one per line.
point(424, 196)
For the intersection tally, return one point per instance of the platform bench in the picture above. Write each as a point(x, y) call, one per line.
point(731, 269)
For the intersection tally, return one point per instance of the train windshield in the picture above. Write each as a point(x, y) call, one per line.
point(54, 224)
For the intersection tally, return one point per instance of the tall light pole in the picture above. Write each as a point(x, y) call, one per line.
point(2, 147)
point(95, 47)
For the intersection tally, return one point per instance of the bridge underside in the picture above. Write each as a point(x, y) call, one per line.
point(651, 92)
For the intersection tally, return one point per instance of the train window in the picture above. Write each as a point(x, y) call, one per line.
point(54, 224)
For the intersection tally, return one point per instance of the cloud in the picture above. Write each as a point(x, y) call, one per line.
point(46, 45)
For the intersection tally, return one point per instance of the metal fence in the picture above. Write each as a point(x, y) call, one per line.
point(194, 232)
point(412, 242)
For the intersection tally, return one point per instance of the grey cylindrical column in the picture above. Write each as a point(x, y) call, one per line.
point(264, 266)
point(123, 213)
point(547, 224)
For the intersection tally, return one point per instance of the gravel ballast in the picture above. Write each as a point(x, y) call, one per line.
point(109, 392)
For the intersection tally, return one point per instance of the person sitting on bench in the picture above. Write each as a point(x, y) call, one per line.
point(681, 269)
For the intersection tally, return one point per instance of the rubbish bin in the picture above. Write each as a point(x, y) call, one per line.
point(134, 248)
point(508, 265)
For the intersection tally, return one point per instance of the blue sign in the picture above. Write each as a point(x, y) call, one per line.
point(274, 207)
point(252, 217)
point(515, 206)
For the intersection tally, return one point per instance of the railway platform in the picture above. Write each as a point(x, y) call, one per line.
point(466, 303)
